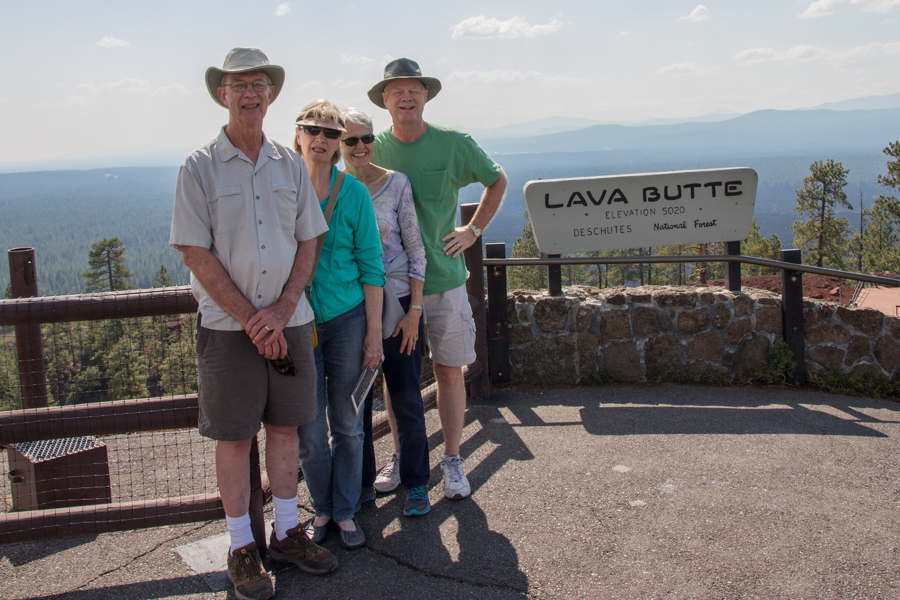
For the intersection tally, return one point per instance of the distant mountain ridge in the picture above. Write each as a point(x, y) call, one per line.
point(764, 132)
point(866, 103)
point(551, 125)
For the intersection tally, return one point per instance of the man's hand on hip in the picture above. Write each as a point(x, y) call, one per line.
point(457, 241)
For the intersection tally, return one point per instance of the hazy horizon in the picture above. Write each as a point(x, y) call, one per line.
point(102, 80)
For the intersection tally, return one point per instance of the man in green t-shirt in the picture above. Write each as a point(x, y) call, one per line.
point(438, 162)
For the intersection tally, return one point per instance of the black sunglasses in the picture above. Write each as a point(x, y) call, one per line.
point(331, 134)
point(365, 139)
point(285, 365)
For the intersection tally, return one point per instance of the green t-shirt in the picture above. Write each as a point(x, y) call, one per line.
point(438, 165)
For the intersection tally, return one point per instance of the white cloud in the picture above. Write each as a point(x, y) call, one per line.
point(340, 84)
point(806, 54)
point(129, 86)
point(174, 88)
point(484, 27)
point(623, 33)
point(683, 69)
point(356, 59)
point(872, 50)
point(701, 13)
point(824, 8)
point(111, 42)
point(283, 9)
point(310, 85)
point(821, 8)
point(499, 76)
point(881, 6)
point(797, 54)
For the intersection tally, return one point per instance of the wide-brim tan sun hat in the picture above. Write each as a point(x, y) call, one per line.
point(403, 68)
point(244, 60)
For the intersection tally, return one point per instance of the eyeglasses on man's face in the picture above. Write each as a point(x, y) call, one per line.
point(331, 134)
point(239, 87)
point(354, 140)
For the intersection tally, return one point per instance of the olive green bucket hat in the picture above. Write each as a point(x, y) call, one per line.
point(244, 60)
point(403, 68)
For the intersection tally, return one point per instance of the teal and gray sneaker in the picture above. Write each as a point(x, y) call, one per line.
point(417, 502)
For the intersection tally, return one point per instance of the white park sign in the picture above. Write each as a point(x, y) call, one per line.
point(588, 214)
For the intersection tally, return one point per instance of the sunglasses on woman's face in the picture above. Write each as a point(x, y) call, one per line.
point(331, 134)
point(365, 139)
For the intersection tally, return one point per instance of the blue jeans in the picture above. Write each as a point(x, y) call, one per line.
point(402, 373)
point(332, 472)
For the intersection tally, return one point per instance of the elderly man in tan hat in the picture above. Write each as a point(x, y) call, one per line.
point(246, 220)
point(438, 162)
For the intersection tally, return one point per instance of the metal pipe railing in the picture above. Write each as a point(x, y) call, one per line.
point(725, 258)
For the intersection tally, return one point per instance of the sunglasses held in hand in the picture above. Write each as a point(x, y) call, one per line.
point(284, 365)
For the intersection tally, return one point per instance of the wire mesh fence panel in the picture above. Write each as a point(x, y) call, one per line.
point(10, 392)
point(121, 476)
point(116, 359)
point(112, 443)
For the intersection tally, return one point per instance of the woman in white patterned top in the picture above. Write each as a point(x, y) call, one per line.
point(403, 255)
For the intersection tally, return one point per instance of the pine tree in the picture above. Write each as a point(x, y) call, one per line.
point(817, 231)
point(758, 246)
point(892, 179)
point(179, 371)
point(879, 242)
point(162, 278)
point(106, 270)
point(10, 393)
point(526, 278)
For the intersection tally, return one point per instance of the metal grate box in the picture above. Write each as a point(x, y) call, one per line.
point(59, 473)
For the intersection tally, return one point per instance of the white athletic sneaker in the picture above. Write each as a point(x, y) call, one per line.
point(456, 486)
point(389, 478)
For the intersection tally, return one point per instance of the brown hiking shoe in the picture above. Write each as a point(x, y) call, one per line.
point(298, 549)
point(245, 571)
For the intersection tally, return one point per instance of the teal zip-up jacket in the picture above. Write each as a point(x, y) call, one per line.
point(351, 255)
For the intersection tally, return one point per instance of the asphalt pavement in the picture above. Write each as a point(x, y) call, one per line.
point(609, 492)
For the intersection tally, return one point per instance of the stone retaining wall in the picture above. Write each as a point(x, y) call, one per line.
point(643, 333)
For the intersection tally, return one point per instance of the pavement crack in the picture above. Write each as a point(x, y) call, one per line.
point(427, 573)
point(134, 559)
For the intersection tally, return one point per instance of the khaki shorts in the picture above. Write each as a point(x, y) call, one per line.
point(239, 388)
point(450, 327)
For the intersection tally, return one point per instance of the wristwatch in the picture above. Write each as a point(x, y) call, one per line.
point(474, 229)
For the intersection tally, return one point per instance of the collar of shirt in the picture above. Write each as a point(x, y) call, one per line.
point(227, 150)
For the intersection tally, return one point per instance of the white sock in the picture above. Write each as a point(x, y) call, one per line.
point(285, 516)
point(446, 458)
point(239, 530)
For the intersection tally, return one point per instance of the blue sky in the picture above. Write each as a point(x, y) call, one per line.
point(112, 81)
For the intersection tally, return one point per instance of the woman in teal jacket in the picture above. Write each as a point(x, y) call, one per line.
point(346, 297)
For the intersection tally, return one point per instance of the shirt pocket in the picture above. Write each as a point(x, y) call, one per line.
point(226, 209)
point(284, 196)
point(435, 185)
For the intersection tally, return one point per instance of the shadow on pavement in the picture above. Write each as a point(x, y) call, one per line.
point(476, 554)
point(682, 415)
point(22, 554)
point(145, 590)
